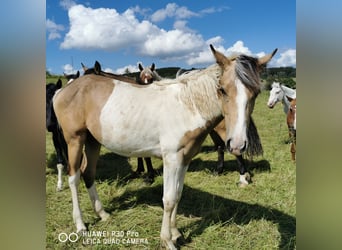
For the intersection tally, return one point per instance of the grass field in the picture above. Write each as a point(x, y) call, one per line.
point(214, 213)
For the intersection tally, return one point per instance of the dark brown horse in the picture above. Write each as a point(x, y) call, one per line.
point(175, 116)
point(53, 128)
point(291, 124)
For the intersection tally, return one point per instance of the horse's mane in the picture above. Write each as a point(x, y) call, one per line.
point(254, 147)
point(247, 70)
point(199, 90)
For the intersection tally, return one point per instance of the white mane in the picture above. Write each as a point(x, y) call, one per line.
point(198, 89)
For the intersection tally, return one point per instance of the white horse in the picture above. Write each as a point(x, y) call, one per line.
point(174, 120)
point(278, 93)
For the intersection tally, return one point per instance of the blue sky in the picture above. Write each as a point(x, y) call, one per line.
point(119, 34)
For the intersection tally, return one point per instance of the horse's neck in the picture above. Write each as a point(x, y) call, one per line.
point(289, 92)
point(200, 92)
point(286, 104)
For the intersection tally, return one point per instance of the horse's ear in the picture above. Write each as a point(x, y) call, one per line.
point(265, 59)
point(141, 68)
point(97, 68)
point(221, 59)
point(78, 73)
point(59, 83)
point(289, 98)
point(153, 66)
point(84, 67)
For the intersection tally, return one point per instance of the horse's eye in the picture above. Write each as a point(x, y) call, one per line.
point(222, 91)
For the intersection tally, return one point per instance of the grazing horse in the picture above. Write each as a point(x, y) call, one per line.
point(72, 77)
point(168, 119)
point(291, 124)
point(278, 93)
point(57, 136)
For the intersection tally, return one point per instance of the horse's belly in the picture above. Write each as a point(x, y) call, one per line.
point(129, 133)
point(131, 144)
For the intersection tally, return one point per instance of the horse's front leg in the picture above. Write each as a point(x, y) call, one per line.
point(173, 175)
point(245, 177)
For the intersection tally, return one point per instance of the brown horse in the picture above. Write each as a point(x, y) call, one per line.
point(175, 116)
point(291, 124)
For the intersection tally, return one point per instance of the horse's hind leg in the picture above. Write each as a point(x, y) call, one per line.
point(150, 171)
point(92, 152)
point(75, 146)
point(140, 168)
point(60, 160)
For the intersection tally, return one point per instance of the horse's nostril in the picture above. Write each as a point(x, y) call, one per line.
point(229, 148)
point(244, 147)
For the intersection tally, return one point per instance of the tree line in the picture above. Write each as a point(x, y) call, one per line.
point(284, 75)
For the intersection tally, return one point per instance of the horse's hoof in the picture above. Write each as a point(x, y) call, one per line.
point(148, 180)
point(242, 184)
point(58, 189)
point(104, 216)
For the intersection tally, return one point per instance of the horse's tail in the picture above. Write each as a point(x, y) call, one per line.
point(62, 142)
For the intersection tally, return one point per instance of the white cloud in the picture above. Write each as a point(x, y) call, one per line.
point(172, 10)
point(109, 30)
point(205, 56)
point(287, 59)
point(105, 29)
point(69, 69)
point(173, 43)
point(130, 68)
point(67, 4)
point(53, 29)
point(238, 48)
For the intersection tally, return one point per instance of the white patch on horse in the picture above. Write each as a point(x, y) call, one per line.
point(240, 126)
point(148, 110)
point(74, 181)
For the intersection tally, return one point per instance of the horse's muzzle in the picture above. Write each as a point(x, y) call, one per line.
point(236, 149)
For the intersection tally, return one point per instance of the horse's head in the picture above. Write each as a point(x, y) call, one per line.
point(95, 70)
point(51, 89)
point(276, 95)
point(238, 88)
point(147, 75)
point(72, 77)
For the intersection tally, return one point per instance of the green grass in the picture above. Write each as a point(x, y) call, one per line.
point(214, 213)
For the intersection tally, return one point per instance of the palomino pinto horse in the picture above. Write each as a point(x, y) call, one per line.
point(218, 135)
point(57, 136)
point(291, 120)
point(168, 119)
point(278, 93)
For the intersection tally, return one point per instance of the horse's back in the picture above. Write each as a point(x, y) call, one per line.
point(78, 105)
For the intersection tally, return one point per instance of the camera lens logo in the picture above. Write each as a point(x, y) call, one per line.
point(72, 237)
